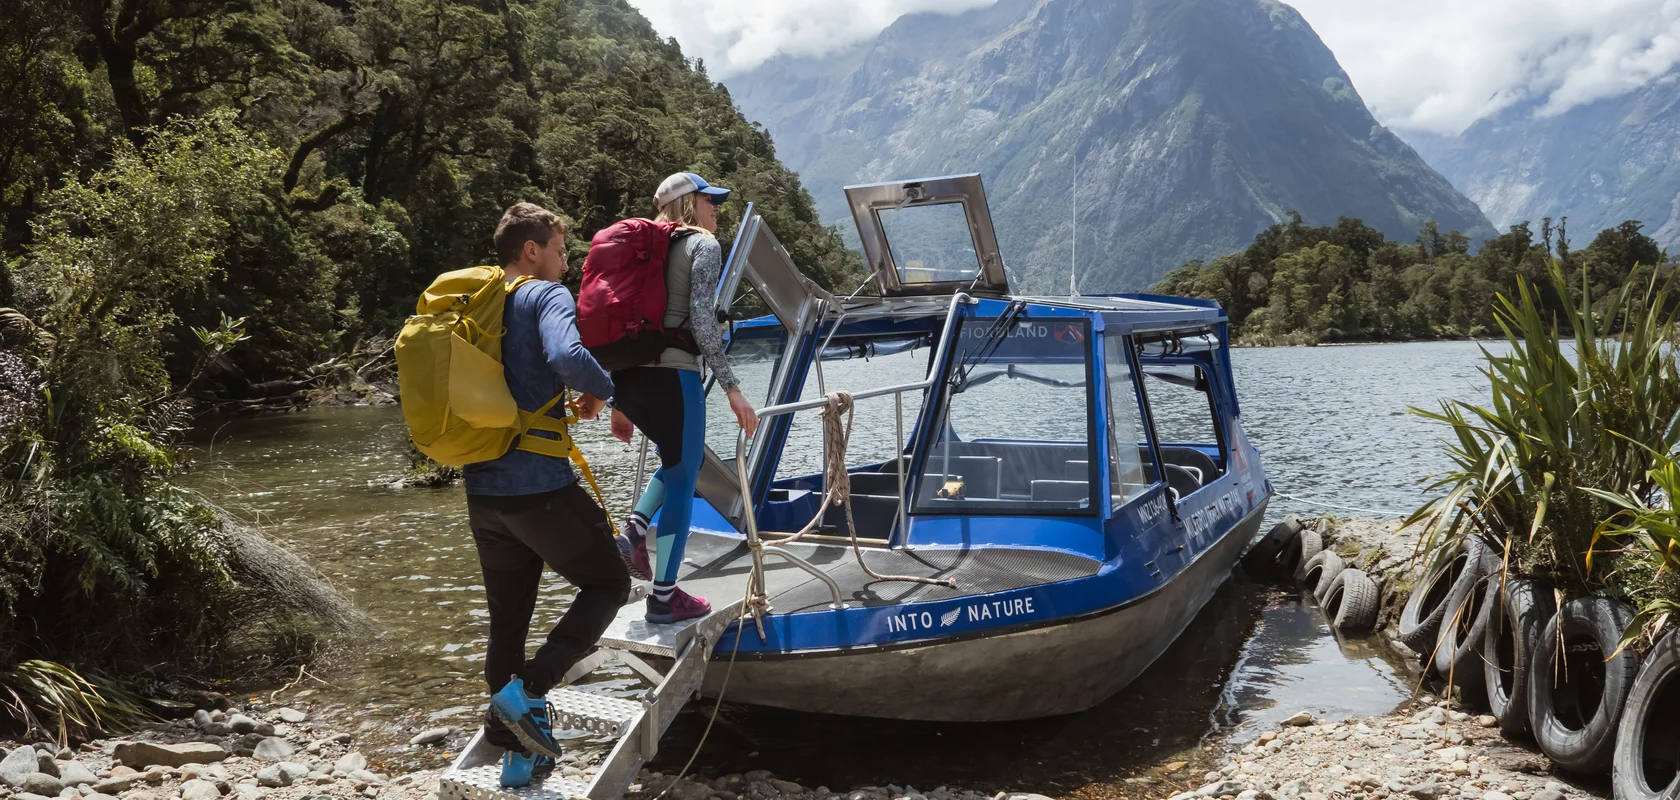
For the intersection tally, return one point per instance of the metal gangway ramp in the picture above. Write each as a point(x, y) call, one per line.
point(636, 724)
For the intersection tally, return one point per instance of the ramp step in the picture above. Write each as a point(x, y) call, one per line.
point(485, 783)
point(600, 714)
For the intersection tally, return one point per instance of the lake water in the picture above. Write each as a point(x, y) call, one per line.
point(1330, 422)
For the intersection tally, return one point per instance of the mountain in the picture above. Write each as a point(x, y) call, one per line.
point(1185, 127)
point(1599, 163)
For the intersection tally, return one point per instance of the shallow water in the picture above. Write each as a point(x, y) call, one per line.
point(1330, 423)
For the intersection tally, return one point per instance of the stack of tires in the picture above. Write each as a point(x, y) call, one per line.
point(1555, 673)
point(1292, 551)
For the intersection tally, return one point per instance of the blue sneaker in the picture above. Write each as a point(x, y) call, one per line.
point(520, 769)
point(528, 717)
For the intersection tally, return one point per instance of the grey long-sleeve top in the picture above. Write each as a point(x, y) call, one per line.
point(692, 269)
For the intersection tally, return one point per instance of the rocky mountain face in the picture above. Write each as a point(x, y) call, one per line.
point(1184, 127)
point(1599, 163)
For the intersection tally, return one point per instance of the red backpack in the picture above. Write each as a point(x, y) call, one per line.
point(621, 301)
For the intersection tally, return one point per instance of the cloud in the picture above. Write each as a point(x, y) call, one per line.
point(1440, 65)
point(1427, 65)
point(736, 35)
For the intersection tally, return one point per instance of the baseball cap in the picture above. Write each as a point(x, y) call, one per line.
point(684, 182)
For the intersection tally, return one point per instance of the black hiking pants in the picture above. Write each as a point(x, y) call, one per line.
point(516, 536)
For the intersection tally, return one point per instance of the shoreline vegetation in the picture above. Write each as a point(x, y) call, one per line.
point(233, 205)
point(1299, 285)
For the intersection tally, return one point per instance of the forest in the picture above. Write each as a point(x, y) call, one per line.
point(231, 200)
point(1299, 284)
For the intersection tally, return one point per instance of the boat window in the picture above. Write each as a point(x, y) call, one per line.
point(857, 366)
point(1186, 424)
point(754, 362)
point(1014, 434)
point(1128, 449)
point(931, 243)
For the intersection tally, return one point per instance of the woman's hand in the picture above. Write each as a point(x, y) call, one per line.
point(621, 427)
point(587, 406)
point(744, 413)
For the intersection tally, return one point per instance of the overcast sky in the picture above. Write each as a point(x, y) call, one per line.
point(1435, 65)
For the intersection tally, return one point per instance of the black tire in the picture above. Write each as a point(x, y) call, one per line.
point(1458, 647)
point(1420, 618)
point(1647, 761)
point(1293, 561)
point(1515, 621)
point(1352, 601)
point(1575, 701)
point(1292, 557)
point(1317, 574)
point(1261, 559)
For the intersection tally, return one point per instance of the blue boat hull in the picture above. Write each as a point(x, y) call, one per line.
point(1036, 669)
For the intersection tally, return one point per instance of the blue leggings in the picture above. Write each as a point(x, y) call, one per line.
point(669, 407)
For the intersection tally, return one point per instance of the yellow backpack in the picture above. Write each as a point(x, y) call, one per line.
point(449, 372)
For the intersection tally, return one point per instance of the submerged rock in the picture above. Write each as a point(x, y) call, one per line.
point(431, 736)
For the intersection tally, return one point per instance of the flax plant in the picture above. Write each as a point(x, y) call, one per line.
point(1566, 428)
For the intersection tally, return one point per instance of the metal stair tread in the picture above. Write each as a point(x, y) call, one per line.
point(576, 709)
point(484, 783)
point(631, 631)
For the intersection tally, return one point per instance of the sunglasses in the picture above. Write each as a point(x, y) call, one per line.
point(713, 199)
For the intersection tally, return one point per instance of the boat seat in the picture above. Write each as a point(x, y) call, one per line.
point(1182, 480)
point(1061, 491)
point(1079, 470)
point(874, 515)
point(876, 483)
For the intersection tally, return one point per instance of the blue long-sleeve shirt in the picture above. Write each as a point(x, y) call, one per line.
point(541, 356)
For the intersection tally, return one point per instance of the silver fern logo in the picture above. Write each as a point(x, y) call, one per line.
point(950, 617)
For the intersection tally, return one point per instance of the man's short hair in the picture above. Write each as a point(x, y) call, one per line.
point(526, 222)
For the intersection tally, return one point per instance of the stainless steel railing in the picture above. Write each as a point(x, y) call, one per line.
point(754, 543)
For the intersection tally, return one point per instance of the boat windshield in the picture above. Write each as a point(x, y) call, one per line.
point(1016, 429)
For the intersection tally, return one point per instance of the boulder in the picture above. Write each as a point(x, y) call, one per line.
point(17, 765)
point(349, 763)
point(146, 754)
point(45, 762)
point(201, 719)
point(197, 789)
point(272, 749)
point(291, 715)
point(242, 724)
point(284, 773)
point(75, 773)
point(1300, 719)
point(42, 783)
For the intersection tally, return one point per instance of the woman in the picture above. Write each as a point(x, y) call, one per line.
point(666, 399)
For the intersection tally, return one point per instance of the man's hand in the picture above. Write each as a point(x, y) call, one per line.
point(744, 413)
point(621, 427)
point(587, 406)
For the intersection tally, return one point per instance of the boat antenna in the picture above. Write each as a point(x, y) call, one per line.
point(1073, 262)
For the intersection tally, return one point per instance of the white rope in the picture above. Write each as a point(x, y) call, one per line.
point(1311, 502)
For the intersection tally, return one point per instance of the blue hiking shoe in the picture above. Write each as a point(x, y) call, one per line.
point(521, 768)
point(528, 717)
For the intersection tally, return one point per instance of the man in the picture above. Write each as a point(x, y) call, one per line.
point(527, 509)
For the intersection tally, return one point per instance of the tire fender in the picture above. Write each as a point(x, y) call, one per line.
point(1352, 601)
point(1646, 765)
point(1575, 732)
point(1515, 621)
